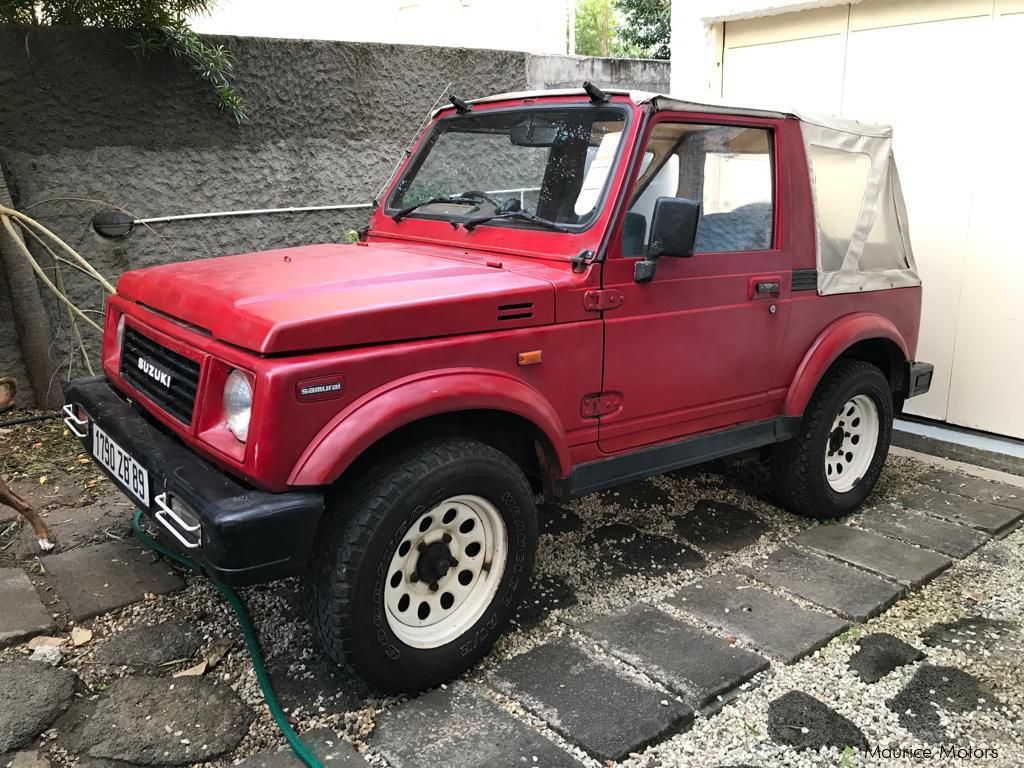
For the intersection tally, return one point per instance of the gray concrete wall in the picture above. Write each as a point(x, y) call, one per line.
point(81, 118)
point(570, 71)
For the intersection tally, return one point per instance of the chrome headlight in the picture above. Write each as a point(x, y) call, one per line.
point(238, 403)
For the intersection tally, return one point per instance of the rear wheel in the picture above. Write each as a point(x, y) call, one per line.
point(420, 565)
point(833, 462)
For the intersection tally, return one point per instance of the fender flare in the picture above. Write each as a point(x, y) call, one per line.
point(401, 402)
point(830, 344)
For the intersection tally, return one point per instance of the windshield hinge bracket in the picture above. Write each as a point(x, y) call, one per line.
point(581, 260)
point(603, 299)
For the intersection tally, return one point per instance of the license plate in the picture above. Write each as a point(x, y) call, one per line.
point(132, 475)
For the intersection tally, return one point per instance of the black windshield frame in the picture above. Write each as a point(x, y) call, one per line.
point(403, 181)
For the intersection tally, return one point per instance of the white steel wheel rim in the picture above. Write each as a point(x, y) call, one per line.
point(426, 608)
point(851, 443)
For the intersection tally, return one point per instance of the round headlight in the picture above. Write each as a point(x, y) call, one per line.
point(120, 332)
point(238, 404)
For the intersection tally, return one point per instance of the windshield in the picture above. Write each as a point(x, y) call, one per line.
point(551, 164)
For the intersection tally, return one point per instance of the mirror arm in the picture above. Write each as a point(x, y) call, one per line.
point(645, 269)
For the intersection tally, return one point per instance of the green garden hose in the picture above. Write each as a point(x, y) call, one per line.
point(300, 749)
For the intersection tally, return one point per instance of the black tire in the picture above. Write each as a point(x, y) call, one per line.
point(798, 465)
point(343, 589)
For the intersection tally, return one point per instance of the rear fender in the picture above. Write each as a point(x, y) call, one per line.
point(404, 401)
point(829, 346)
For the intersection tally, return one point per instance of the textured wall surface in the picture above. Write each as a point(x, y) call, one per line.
point(571, 71)
point(81, 118)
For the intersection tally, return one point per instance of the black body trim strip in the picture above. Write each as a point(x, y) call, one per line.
point(606, 473)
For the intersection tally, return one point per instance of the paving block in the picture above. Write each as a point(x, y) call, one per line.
point(329, 748)
point(879, 654)
point(22, 613)
point(460, 728)
point(590, 702)
point(719, 527)
point(104, 577)
point(851, 592)
point(772, 624)
point(990, 518)
point(546, 594)
point(975, 488)
point(695, 664)
point(621, 549)
point(924, 530)
point(886, 557)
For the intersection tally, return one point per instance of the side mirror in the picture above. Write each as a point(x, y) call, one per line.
point(673, 233)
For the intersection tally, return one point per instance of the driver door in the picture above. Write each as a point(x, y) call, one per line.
point(696, 349)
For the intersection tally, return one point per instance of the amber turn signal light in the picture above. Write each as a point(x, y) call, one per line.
point(533, 357)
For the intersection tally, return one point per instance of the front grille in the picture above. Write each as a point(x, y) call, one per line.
point(168, 379)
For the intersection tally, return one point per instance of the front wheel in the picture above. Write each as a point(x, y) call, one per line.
point(833, 462)
point(421, 564)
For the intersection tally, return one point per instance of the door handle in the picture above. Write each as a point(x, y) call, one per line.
point(764, 287)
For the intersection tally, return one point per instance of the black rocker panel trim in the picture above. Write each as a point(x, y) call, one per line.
point(607, 473)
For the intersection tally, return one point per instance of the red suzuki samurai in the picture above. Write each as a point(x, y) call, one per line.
point(557, 293)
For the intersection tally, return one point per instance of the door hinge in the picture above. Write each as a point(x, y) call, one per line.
point(600, 404)
point(603, 299)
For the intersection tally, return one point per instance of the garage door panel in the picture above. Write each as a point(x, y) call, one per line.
point(778, 73)
point(874, 14)
point(902, 75)
point(986, 391)
point(790, 26)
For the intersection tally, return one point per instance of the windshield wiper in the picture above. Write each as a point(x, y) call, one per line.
point(463, 199)
point(471, 224)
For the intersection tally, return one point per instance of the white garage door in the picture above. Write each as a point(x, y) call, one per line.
point(947, 75)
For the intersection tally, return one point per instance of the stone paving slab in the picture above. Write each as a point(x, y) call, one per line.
point(924, 530)
point(975, 488)
point(624, 550)
point(590, 702)
point(719, 527)
point(695, 664)
point(328, 747)
point(990, 518)
point(772, 624)
point(159, 721)
point(460, 728)
point(22, 613)
point(101, 578)
point(851, 592)
point(886, 557)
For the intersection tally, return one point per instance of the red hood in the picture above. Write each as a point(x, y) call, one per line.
point(321, 296)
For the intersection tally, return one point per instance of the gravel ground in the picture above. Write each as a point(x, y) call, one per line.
point(589, 574)
point(986, 584)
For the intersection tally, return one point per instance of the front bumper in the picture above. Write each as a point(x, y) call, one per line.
point(237, 535)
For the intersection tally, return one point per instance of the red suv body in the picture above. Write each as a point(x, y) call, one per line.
point(575, 342)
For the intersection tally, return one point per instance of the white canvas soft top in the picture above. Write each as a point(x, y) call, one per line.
point(863, 241)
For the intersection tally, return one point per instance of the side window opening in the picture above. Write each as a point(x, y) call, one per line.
point(728, 168)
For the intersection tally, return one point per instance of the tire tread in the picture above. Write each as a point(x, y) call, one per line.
point(793, 461)
point(358, 514)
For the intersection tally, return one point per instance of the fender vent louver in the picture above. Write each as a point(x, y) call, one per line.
point(805, 279)
point(515, 311)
